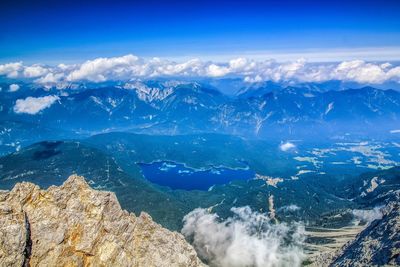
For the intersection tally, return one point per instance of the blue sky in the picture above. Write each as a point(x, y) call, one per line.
point(73, 31)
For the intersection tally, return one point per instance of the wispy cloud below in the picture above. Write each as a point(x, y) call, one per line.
point(248, 238)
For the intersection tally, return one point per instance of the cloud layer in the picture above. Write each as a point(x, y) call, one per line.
point(33, 105)
point(130, 67)
point(246, 239)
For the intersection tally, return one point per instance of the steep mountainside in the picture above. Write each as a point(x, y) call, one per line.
point(372, 189)
point(74, 225)
point(378, 244)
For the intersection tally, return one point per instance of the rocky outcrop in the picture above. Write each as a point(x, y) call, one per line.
point(74, 225)
point(378, 244)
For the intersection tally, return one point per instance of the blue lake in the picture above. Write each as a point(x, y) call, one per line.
point(177, 176)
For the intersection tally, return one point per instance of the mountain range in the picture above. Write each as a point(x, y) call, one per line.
point(265, 111)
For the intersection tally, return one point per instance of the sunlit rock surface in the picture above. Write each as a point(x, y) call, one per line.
point(378, 244)
point(74, 225)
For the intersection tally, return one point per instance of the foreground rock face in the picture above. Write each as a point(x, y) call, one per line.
point(378, 244)
point(74, 225)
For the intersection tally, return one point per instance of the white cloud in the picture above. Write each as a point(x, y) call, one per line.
point(360, 71)
point(289, 208)
point(102, 69)
point(130, 66)
point(287, 146)
point(50, 78)
point(11, 69)
point(246, 239)
point(33, 105)
point(13, 87)
point(367, 216)
point(35, 71)
point(217, 71)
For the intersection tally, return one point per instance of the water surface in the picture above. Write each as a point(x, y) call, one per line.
point(177, 176)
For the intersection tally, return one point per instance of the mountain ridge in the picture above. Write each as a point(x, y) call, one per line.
point(181, 108)
point(75, 225)
point(378, 244)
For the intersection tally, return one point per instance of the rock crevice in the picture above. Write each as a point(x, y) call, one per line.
point(28, 242)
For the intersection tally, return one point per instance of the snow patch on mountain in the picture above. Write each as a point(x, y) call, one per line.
point(373, 185)
point(149, 94)
point(329, 108)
